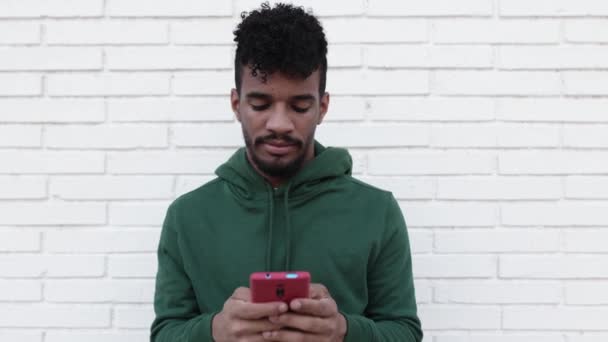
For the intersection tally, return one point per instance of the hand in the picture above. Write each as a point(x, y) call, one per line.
point(310, 319)
point(241, 320)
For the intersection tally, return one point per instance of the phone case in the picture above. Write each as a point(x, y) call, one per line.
point(278, 286)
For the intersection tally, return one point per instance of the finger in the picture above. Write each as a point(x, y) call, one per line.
point(318, 291)
point(242, 293)
point(290, 335)
point(245, 310)
point(244, 327)
point(305, 323)
point(324, 307)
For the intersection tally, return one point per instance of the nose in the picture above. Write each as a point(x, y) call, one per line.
point(279, 121)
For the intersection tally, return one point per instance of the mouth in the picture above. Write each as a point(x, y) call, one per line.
point(278, 148)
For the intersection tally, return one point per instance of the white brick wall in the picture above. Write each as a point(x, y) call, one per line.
point(488, 119)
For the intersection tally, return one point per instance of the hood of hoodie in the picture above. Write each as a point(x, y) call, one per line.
point(252, 191)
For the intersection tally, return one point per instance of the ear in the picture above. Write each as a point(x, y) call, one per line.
point(323, 107)
point(235, 103)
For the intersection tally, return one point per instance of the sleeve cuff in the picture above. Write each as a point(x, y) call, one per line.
point(201, 331)
point(357, 328)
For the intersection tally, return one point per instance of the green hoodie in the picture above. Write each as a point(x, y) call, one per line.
point(350, 236)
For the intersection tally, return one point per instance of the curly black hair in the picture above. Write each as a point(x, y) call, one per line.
point(282, 38)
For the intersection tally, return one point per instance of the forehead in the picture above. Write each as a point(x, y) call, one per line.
point(279, 85)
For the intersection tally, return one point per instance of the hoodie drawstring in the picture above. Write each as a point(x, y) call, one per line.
point(288, 228)
point(270, 223)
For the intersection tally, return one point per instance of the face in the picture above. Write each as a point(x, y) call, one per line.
point(278, 118)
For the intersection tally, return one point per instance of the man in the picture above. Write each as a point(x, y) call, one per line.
point(283, 203)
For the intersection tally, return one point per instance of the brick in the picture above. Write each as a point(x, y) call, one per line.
point(170, 162)
point(52, 213)
point(51, 266)
point(55, 316)
point(97, 336)
point(590, 337)
point(586, 136)
point(106, 136)
point(168, 58)
point(510, 337)
point(454, 266)
point(527, 135)
point(160, 8)
point(430, 8)
point(45, 162)
point(422, 56)
point(438, 163)
point(99, 291)
point(58, 8)
point(319, 7)
point(433, 109)
point(450, 215)
point(19, 241)
point(380, 82)
point(52, 110)
point(133, 266)
point(421, 241)
point(486, 31)
point(216, 135)
point(204, 31)
point(19, 33)
point(554, 318)
point(493, 292)
point(21, 336)
point(20, 136)
point(585, 241)
point(586, 293)
point(553, 8)
point(586, 83)
point(133, 316)
point(102, 241)
point(444, 317)
point(113, 84)
point(22, 187)
point(79, 32)
point(552, 162)
point(186, 184)
point(552, 110)
point(20, 291)
point(138, 214)
point(554, 214)
point(497, 83)
point(405, 187)
point(170, 109)
point(552, 57)
point(586, 31)
point(495, 188)
point(203, 83)
point(486, 135)
point(496, 241)
point(50, 58)
point(342, 56)
point(20, 84)
point(586, 187)
point(554, 267)
point(376, 135)
point(386, 30)
point(346, 108)
point(424, 291)
point(112, 187)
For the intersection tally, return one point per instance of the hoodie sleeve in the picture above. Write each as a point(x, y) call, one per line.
point(391, 314)
point(178, 318)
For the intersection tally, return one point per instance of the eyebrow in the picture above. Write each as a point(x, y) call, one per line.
point(264, 96)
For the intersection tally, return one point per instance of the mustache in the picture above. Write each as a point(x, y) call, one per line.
point(273, 137)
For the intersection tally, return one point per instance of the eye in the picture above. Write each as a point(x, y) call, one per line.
point(300, 109)
point(260, 107)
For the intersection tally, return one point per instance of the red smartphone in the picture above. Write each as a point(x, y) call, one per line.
point(278, 286)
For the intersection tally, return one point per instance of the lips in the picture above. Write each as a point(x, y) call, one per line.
point(278, 148)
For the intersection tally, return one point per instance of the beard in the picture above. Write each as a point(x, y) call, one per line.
point(277, 167)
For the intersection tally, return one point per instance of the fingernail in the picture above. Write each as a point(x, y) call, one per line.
point(296, 305)
point(266, 334)
point(283, 307)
